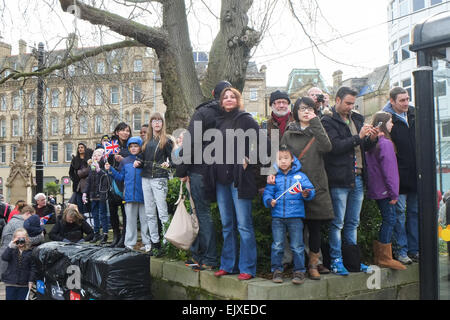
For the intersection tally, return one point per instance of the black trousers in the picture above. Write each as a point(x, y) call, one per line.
point(114, 215)
point(314, 240)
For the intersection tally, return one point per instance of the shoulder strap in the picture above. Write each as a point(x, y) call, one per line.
point(306, 148)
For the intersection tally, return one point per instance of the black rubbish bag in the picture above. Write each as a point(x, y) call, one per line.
point(104, 273)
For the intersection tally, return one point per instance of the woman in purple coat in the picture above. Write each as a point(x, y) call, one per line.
point(383, 186)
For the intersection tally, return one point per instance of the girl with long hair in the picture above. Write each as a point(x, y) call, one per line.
point(383, 186)
point(155, 160)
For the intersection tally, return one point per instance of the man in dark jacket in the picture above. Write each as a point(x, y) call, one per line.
point(203, 250)
point(281, 115)
point(403, 136)
point(349, 138)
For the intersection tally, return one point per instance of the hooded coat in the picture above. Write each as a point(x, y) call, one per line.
point(313, 165)
point(403, 135)
point(289, 205)
point(78, 170)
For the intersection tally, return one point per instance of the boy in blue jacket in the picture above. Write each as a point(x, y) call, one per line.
point(133, 196)
point(286, 197)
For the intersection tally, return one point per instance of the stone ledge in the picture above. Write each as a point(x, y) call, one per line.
point(176, 281)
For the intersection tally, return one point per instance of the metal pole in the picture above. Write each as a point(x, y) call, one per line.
point(426, 178)
point(40, 119)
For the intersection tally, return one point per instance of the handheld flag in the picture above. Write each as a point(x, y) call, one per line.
point(296, 188)
point(111, 147)
point(45, 219)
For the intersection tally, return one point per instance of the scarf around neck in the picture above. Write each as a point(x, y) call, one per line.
point(282, 121)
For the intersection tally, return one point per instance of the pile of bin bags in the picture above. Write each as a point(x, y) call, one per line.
point(69, 271)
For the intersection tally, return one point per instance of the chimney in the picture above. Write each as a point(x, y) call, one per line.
point(22, 47)
point(337, 79)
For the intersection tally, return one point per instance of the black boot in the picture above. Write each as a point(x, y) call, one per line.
point(121, 243)
point(116, 238)
point(97, 237)
point(104, 239)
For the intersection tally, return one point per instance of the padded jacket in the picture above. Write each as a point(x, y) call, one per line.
point(132, 179)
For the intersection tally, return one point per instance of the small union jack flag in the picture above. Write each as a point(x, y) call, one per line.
point(296, 188)
point(45, 219)
point(111, 147)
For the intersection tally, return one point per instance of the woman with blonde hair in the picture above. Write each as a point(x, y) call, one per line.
point(155, 159)
point(20, 273)
point(71, 227)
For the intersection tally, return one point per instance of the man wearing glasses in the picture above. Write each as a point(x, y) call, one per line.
point(281, 115)
point(321, 100)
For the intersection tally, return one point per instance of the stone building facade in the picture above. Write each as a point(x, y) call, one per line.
point(82, 102)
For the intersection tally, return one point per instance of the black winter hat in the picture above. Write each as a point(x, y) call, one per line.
point(278, 95)
point(219, 87)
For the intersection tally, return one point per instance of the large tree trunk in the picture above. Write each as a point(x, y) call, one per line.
point(230, 52)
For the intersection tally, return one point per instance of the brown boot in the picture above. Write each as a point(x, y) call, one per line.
point(313, 273)
point(383, 254)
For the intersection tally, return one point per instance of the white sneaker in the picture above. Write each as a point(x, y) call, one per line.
point(130, 247)
point(148, 247)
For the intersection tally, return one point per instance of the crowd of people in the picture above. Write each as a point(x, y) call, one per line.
point(326, 156)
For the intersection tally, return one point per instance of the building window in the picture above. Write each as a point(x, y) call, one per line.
point(98, 126)
point(404, 9)
point(394, 52)
point(69, 97)
point(71, 70)
point(434, 2)
point(54, 125)
point(418, 4)
point(200, 56)
point(55, 98)
point(406, 84)
point(83, 97)
point(98, 96)
point(114, 122)
point(54, 152)
point(31, 126)
point(101, 67)
point(17, 103)
point(446, 129)
point(13, 152)
point(68, 149)
point(3, 106)
point(137, 65)
point(137, 93)
point(34, 153)
point(3, 154)
point(146, 117)
point(253, 94)
point(440, 88)
point(404, 44)
point(137, 121)
point(15, 127)
point(114, 95)
point(115, 68)
point(83, 125)
point(3, 128)
point(68, 125)
point(32, 100)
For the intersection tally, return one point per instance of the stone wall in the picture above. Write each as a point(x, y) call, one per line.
point(173, 280)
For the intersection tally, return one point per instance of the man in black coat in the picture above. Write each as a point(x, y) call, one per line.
point(403, 136)
point(203, 250)
point(344, 164)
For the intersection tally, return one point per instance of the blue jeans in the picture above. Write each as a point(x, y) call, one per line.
point(204, 248)
point(406, 231)
point(388, 222)
point(295, 228)
point(347, 204)
point(16, 293)
point(100, 215)
point(236, 215)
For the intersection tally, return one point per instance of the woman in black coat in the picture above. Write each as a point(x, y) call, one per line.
point(71, 227)
point(78, 172)
point(122, 133)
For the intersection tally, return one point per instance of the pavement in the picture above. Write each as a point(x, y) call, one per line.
point(2, 291)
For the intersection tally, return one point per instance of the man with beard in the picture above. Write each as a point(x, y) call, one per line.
point(281, 115)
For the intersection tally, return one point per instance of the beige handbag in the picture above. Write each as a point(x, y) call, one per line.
point(183, 228)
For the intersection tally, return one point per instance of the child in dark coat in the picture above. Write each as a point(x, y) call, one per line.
point(20, 273)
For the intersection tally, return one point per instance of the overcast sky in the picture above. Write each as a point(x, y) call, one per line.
point(354, 33)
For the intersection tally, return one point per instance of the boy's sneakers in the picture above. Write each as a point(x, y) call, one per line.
point(298, 277)
point(203, 267)
point(338, 268)
point(191, 263)
point(404, 259)
point(365, 268)
point(277, 276)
